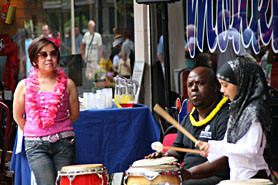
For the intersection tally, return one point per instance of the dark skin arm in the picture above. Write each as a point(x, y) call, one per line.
point(82, 49)
point(205, 169)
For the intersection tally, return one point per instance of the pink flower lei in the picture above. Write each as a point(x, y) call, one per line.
point(51, 108)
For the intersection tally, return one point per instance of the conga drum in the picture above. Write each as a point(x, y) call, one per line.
point(153, 171)
point(246, 182)
point(85, 174)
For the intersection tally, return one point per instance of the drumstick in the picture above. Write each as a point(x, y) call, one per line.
point(171, 120)
point(158, 146)
point(182, 149)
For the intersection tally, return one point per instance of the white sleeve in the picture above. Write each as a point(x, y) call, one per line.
point(248, 146)
point(115, 60)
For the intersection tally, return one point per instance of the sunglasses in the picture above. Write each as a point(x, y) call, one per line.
point(52, 54)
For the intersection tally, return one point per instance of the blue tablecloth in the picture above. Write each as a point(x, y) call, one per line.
point(19, 164)
point(113, 137)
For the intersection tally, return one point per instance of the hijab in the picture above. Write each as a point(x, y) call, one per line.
point(251, 101)
point(227, 74)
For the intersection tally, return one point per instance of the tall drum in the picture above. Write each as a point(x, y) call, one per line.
point(153, 171)
point(86, 174)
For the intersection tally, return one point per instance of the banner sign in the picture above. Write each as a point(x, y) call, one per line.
point(252, 22)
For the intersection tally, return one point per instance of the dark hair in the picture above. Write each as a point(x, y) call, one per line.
point(36, 46)
point(128, 35)
point(202, 60)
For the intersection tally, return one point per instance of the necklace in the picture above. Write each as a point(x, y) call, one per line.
point(50, 109)
point(210, 116)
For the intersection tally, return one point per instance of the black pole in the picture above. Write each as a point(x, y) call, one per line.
point(164, 15)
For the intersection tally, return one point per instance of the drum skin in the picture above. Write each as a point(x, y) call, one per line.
point(160, 174)
point(247, 182)
point(89, 174)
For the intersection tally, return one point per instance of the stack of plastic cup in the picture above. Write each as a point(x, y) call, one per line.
point(100, 99)
point(108, 96)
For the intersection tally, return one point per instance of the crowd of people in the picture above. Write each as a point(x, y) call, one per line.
point(119, 59)
point(230, 119)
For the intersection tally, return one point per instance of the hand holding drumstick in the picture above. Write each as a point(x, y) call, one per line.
point(158, 146)
point(204, 147)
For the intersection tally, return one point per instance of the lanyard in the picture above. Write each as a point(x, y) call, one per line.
point(91, 42)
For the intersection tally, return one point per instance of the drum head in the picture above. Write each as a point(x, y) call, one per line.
point(246, 182)
point(81, 167)
point(158, 168)
point(154, 162)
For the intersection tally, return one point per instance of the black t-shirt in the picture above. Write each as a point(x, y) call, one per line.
point(213, 130)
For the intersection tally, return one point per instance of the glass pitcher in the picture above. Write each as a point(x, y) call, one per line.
point(125, 92)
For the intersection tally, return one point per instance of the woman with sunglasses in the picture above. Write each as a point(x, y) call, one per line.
point(249, 124)
point(45, 106)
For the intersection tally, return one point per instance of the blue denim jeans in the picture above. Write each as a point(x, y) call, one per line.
point(46, 158)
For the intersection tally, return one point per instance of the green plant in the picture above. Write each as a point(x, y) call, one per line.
point(67, 24)
point(125, 7)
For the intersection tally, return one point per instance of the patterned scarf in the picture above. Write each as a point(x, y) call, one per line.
point(251, 101)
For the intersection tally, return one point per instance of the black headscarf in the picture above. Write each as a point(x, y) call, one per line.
point(251, 101)
point(226, 73)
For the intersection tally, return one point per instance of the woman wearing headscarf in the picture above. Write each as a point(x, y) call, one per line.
point(244, 83)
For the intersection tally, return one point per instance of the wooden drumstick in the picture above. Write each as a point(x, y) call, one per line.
point(158, 146)
point(171, 120)
point(182, 149)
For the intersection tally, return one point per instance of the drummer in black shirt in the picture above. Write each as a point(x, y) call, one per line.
point(207, 121)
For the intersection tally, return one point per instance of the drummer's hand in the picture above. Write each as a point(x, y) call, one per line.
point(175, 163)
point(204, 147)
point(185, 173)
point(156, 155)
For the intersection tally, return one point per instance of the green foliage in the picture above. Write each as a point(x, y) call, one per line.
point(76, 23)
point(125, 7)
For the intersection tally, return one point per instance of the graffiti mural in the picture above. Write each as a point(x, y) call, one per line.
point(239, 21)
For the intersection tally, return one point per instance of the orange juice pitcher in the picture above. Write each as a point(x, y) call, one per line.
point(125, 92)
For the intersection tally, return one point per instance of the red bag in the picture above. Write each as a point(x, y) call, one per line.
point(4, 11)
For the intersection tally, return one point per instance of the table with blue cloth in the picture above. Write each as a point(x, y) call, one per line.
point(114, 137)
